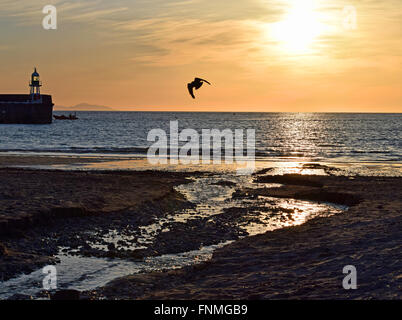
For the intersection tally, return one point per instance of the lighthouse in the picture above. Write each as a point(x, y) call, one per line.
point(33, 108)
point(35, 85)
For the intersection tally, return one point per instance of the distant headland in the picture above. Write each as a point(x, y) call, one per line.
point(83, 107)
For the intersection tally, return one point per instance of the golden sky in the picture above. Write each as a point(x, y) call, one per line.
point(260, 55)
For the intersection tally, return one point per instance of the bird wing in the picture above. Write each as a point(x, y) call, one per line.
point(190, 88)
point(199, 79)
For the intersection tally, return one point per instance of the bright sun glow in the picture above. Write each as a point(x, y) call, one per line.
point(299, 29)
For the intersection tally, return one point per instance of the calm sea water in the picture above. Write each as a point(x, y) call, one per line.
point(279, 136)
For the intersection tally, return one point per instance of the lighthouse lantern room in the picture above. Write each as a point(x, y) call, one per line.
point(35, 85)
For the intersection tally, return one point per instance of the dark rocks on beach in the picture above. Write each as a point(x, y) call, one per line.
point(224, 183)
point(18, 297)
point(292, 179)
point(137, 255)
point(341, 198)
point(66, 295)
point(69, 212)
point(302, 187)
point(3, 250)
point(263, 171)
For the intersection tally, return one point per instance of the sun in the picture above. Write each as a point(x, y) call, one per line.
point(299, 29)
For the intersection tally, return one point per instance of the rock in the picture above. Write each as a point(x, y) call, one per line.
point(66, 295)
point(89, 295)
point(43, 294)
point(224, 183)
point(110, 254)
point(19, 296)
point(137, 256)
point(3, 250)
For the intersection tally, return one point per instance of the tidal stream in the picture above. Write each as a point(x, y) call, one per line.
point(211, 195)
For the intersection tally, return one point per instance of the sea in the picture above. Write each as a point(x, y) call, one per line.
point(325, 137)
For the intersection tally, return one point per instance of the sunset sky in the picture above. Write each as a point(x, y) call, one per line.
point(260, 55)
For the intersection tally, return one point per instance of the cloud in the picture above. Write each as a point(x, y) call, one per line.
point(28, 13)
point(172, 42)
point(168, 33)
point(160, 32)
point(4, 47)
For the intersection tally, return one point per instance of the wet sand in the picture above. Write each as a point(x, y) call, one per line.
point(27, 160)
point(42, 210)
point(45, 210)
point(301, 262)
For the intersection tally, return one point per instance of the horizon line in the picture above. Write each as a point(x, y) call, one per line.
point(195, 111)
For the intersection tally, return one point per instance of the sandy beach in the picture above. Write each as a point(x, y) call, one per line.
point(301, 262)
point(38, 204)
point(46, 210)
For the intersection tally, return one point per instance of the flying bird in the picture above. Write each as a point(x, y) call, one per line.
point(197, 83)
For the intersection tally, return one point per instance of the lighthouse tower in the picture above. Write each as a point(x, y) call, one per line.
point(35, 85)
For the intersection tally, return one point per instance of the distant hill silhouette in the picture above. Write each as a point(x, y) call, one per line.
point(83, 107)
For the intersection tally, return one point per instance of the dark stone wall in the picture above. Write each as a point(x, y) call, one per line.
point(22, 113)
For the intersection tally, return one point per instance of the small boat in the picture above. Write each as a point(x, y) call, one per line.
point(63, 117)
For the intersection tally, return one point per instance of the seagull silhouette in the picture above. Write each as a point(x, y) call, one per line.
point(197, 83)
